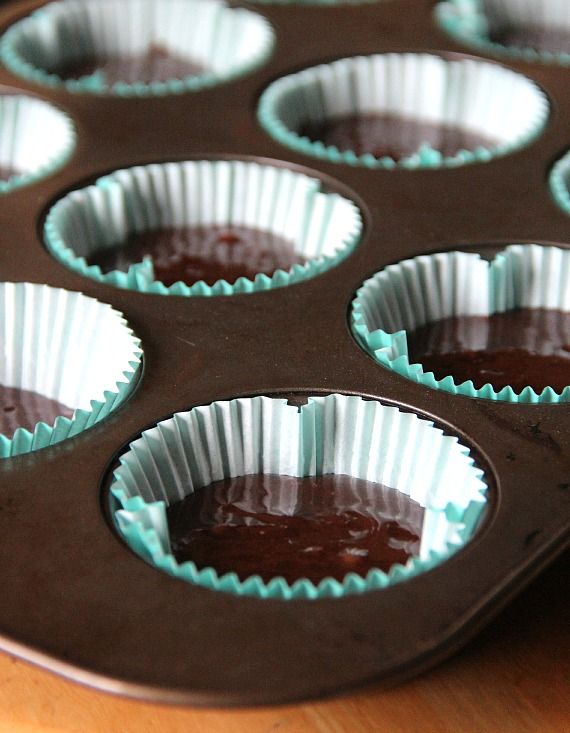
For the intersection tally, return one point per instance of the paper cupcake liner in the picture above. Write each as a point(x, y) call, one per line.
point(469, 22)
point(414, 292)
point(67, 347)
point(478, 96)
point(559, 181)
point(227, 42)
point(324, 227)
point(36, 139)
point(334, 434)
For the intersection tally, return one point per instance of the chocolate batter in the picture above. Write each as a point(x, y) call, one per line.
point(202, 253)
point(391, 135)
point(554, 40)
point(310, 527)
point(157, 64)
point(520, 348)
point(20, 408)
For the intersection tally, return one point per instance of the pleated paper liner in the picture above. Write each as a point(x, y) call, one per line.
point(36, 139)
point(66, 347)
point(322, 227)
point(480, 24)
point(407, 295)
point(477, 97)
point(559, 181)
point(217, 42)
point(335, 434)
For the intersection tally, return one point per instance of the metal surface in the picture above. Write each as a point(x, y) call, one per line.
point(76, 600)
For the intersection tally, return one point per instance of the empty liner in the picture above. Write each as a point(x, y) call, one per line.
point(222, 42)
point(478, 97)
point(335, 434)
point(323, 227)
point(511, 27)
point(66, 347)
point(36, 139)
point(428, 288)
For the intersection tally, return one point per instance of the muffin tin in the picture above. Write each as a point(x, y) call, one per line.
point(75, 599)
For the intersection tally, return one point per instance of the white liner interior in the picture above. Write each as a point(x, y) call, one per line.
point(225, 193)
point(62, 344)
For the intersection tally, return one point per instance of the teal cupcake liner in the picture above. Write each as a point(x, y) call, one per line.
point(323, 227)
point(480, 96)
point(468, 21)
point(428, 288)
point(559, 182)
point(69, 348)
point(227, 42)
point(335, 434)
point(36, 139)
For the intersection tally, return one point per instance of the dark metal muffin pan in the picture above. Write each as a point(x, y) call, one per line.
point(76, 600)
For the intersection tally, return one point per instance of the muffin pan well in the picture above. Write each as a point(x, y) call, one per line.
point(136, 47)
point(332, 436)
point(466, 291)
point(414, 109)
point(226, 226)
point(75, 598)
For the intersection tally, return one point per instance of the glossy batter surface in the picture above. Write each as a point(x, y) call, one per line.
point(313, 527)
point(520, 348)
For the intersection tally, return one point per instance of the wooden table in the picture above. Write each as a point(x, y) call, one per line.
point(515, 676)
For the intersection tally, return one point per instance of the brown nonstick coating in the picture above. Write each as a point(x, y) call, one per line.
point(76, 600)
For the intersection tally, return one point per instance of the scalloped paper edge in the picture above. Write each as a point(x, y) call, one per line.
point(45, 435)
point(145, 542)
